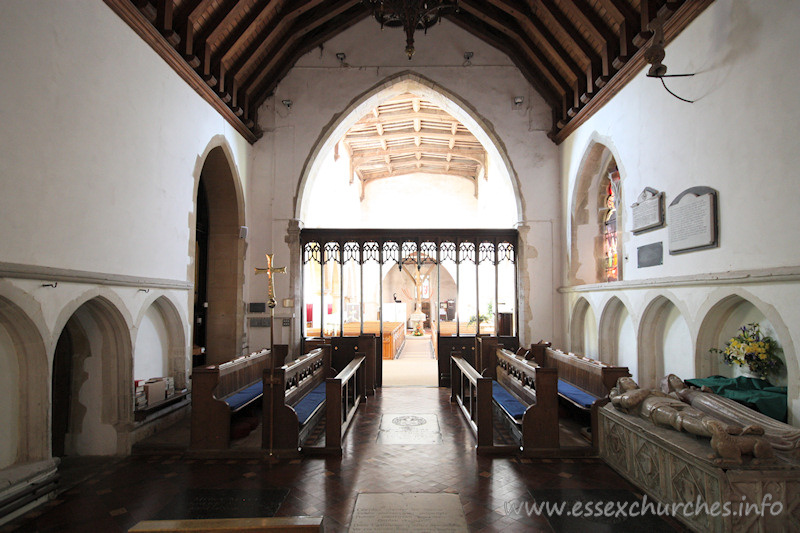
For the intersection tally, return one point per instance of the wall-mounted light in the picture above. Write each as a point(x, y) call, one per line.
point(467, 57)
point(654, 54)
point(288, 103)
point(518, 100)
point(341, 57)
point(53, 284)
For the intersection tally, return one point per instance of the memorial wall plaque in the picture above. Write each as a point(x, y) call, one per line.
point(693, 220)
point(648, 211)
point(650, 255)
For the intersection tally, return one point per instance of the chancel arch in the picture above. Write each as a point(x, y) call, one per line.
point(23, 387)
point(92, 383)
point(498, 167)
point(218, 251)
point(665, 343)
point(617, 335)
point(596, 217)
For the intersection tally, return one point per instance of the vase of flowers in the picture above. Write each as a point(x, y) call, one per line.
point(752, 351)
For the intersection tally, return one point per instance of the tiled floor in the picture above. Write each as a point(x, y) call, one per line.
point(119, 493)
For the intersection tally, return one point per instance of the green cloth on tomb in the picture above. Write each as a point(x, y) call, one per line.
point(753, 392)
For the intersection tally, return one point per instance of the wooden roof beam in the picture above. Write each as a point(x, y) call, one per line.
point(347, 18)
point(502, 43)
point(186, 31)
point(201, 47)
point(164, 21)
point(508, 26)
point(595, 69)
point(582, 11)
point(539, 31)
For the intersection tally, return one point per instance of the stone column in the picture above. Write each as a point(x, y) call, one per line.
point(295, 287)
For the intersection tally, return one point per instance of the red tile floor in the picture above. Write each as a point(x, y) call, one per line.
point(115, 494)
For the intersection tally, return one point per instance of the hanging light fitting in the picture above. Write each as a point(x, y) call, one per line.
point(411, 15)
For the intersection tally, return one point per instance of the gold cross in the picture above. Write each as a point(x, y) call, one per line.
point(269, 271)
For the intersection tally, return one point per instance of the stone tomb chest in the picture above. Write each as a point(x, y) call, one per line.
point(678, 468)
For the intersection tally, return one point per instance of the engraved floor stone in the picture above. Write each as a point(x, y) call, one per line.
point(409, 429)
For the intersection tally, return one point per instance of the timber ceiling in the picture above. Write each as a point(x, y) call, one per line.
point(407, 135)
point(576, 53)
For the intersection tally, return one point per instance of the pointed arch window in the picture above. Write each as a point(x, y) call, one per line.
point(610, 259)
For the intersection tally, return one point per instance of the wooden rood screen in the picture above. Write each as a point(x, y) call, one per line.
point(461, 282)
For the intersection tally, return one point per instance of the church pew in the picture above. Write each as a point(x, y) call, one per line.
point(583, 383)
point(473, 394)
point(218, 392)
point(343, 394)
point(518, 390)
point(394, 334)
point(294, 400)
point(536, 388)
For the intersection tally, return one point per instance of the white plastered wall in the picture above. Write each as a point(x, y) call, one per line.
point(321, 89)
point(740, 138)
point(100, 151)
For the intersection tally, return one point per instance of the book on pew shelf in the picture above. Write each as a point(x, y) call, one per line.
point(156, 390)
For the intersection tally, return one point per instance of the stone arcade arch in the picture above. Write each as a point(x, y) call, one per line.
point(616, 344)
point(224, 317)
point(720, 322)
point(665, 343)
point(101, 394)
point(583, 336)
point(176, 345)
point(24, 395)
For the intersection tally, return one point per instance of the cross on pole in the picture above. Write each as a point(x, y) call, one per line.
point(269, 271)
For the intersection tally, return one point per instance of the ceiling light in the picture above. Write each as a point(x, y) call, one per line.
point(518, 100)
point(411, 15)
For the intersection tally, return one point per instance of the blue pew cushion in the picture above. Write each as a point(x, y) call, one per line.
point(306, 407)
point(575, 394)
point(508, 402)
point(244, 396)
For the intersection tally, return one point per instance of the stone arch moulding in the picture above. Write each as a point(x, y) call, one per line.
point(394, 85)
point(115, 328)
point(577, 325)
point(177, 331)
point(650, 338)
point(716, 311)
point(608, 330)
point(587, 171)
point(227, 213)
point(21, 317)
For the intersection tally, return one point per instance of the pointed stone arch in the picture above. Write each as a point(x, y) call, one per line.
point(224, 320)
point(99, 316)
point(582, 224)
point(178, 348)
point(395, 85)
point(580, 335)
point(25, 395)
point(657, 321)
point(609, 330)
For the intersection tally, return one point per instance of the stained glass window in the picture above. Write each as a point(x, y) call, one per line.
point(610, 242)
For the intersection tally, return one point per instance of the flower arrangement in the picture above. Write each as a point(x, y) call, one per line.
point(753, 349)
point(418, 331)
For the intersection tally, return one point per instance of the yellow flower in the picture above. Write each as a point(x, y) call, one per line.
point(762, 356)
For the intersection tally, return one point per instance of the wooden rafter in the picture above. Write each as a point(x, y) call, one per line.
point(575, 53)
